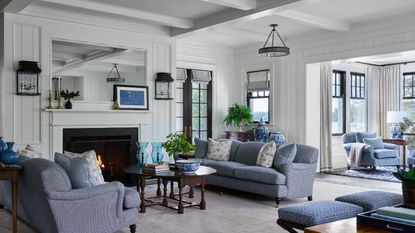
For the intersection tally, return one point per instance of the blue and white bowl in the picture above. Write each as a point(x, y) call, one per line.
point(188, 166)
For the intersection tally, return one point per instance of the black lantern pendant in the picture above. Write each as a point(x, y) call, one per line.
point(163, 86)
point(28, 78)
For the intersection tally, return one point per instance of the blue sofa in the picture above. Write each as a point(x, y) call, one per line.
point(389, 156)
point(291, 180)
point(47, 202)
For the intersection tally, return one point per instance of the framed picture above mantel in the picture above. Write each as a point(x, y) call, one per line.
point(131, 97)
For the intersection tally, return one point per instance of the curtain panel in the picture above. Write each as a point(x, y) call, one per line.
point(326, 115)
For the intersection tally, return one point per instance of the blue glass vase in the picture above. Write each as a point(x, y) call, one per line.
point(142, 153)
point(157, 152)
point(9, 157)
point(3, 145)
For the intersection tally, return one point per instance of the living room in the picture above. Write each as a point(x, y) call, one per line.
point(189, 62)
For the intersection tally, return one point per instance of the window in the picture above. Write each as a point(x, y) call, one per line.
point(357, 102)
point(408, 98)
point(258, 95)
point(338, 123)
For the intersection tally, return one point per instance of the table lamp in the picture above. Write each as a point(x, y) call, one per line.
point(395, 117)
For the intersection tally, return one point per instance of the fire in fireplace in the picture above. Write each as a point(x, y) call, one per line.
point(115, 148)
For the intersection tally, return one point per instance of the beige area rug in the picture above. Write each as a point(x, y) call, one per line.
point(227, 210)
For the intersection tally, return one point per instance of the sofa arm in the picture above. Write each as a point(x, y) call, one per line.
point(299, 178)
point(391, 146)
point(98, 208)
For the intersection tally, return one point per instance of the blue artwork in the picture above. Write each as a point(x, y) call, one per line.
point(128, 97)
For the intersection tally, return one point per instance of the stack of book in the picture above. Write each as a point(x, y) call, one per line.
point(396, 214)
point(156, 168)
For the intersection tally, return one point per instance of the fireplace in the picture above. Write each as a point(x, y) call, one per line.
point(115, 148)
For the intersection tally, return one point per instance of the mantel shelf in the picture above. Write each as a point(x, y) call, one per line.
point(94, 110)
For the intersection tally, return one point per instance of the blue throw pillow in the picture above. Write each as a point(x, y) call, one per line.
point(78, 170)
point(361, 135)
point(285, 154)
point(377, 143)
point(201, 148)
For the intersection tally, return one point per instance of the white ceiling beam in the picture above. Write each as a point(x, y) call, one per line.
point(122, 11)
point(232, 16)
point(14, 6)
point(242, 34)
point(316, 21)
point(237, 4)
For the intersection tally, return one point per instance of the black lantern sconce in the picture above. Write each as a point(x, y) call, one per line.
point(28, 78)
point(163, 86)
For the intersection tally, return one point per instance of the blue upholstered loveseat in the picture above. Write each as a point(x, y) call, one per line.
point(291, 180)
point(48, 203)
point(388, 156)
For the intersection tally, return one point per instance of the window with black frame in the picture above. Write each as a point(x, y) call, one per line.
point(338, 122)
point(258, 95)
point(358, 111)
point(408, 97)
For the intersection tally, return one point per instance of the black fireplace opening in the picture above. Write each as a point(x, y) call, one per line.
point(115, 148)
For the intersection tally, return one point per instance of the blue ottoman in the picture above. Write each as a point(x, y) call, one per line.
point(372, 200)
point(315, 213)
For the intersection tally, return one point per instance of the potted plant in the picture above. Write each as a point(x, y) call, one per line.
point(238, 115)
point(68, 96)
point(408, 186)
point(177, 143)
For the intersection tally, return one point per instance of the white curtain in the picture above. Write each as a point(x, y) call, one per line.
point(326, 111)
point(383, 96)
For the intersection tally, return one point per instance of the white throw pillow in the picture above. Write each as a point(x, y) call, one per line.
point(91, 156)
point(219, 150)
point(266, 155)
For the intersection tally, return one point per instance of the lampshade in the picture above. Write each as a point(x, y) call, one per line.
point(395, 116)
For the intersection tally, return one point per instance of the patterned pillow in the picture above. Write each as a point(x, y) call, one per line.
point(266, 155)
point(93, 165)
point(219, 150)
point(377, 143)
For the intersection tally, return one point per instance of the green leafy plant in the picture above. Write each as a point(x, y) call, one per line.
point(69, 95)
point(238, 115)
point(177, 143)
point(407, 177)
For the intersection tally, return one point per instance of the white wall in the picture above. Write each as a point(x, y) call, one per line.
point(29, 38)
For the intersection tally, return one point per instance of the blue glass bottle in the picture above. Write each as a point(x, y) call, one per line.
point(9, 156)
point(142, 153)
point(157, 152)
point(3, 145)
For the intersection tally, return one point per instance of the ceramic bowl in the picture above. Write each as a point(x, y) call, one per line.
point(188, 166)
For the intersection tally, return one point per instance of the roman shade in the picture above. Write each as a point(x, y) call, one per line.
point(181, 74)
point(258, 80)
point(201, 76)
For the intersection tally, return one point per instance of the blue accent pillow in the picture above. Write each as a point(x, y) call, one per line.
point(377, 143)
point(361, 135)
point(78, 170)
point(201, 148)
point(285, 154)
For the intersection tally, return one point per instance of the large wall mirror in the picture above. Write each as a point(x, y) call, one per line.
point(93, 70)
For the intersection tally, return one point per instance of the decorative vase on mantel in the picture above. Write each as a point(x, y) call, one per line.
point(9, 156)
point(68, 104)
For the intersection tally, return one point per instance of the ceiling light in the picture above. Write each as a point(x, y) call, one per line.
point(271, 50)
point(115, 78)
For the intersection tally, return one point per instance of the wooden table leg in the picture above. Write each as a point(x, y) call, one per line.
point(165, 203)
point(180, 208)
point(14, 200)
point(202, 194)
point(171, 189)
point(142, 182)
point(404, 157)
point(158, 193)
point(191, 192)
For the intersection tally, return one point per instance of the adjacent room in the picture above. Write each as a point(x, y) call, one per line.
point(207, 116)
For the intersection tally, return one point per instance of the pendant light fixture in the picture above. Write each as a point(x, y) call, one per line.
point(272, 50)
point(115, 78)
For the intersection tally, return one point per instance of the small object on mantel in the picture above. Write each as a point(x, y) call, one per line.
point(116, 106)
point(29, 152)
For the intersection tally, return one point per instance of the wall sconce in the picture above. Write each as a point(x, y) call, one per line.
point(163, 87)
point(28, 78)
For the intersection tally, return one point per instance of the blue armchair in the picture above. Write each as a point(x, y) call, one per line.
point(389, 156)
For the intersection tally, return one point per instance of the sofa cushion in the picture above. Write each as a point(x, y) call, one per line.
point(385, 153)
point(247, 153)
point(219, 150)
point(285, 154)
point(234, 148)
point(131, 199)
point(377, 142)
point(223, 168)
point(372, 200)
point(266, 155)
point(259, 174)
point(93, 164)
point(201, 148)
point(361, 135)
point(318, 212)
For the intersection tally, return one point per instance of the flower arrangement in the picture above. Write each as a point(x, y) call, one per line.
point(69, 95)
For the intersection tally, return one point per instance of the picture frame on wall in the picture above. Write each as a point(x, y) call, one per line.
point(131, 97)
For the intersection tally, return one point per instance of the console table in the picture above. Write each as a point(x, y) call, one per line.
point(400, 142)
point(243, 136)
point(10, 173)
point(347, 225)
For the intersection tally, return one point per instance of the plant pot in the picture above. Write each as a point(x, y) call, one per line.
point(68, 104)
point(408, 194)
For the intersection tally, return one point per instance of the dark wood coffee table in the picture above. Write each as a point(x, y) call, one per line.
point(182, 179)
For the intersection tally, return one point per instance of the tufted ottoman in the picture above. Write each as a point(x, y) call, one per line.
point(372, 200)
point(315, 213)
